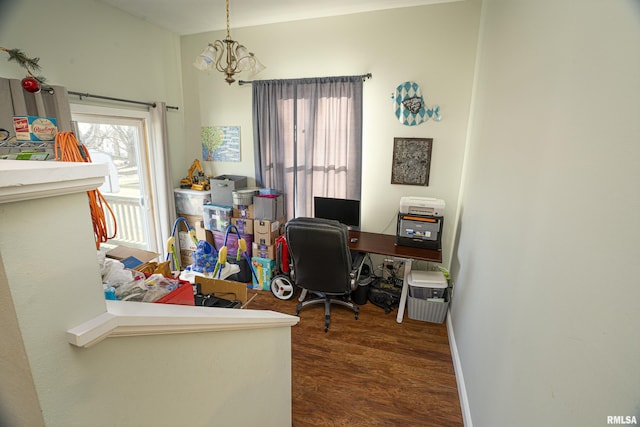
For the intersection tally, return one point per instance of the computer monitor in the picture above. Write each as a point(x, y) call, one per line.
point(346, 211)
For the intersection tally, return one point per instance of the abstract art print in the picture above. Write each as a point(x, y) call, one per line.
point(411, 161)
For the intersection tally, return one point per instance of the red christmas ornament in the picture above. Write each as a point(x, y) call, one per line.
point(30, 84)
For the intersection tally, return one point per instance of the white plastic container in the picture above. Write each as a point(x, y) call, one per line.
point(424, 287)
point(426, 284)
point(244, 197)
point(190, 202)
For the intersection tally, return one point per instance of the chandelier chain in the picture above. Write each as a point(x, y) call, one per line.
point(228, 33)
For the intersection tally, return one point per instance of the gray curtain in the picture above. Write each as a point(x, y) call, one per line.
point(308, 139)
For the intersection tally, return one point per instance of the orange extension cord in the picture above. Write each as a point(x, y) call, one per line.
point(68, 149)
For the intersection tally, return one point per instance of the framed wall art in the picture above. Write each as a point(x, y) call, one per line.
point(221, 143)
point(411, 161)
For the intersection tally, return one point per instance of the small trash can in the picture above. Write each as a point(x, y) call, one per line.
point(361, 295)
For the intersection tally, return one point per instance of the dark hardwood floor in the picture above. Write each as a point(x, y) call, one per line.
point(367, 372)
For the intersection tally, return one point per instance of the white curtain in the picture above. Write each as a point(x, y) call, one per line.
point(161, 175)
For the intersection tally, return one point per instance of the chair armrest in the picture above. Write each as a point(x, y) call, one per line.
point(358, 259)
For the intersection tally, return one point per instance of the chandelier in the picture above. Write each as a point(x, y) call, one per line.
point(228, 57)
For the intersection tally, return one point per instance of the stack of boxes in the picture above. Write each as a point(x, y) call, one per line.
point(262, 212)
point(221, 212)
point(259, 215)
point(190, 206)
point(206, 210)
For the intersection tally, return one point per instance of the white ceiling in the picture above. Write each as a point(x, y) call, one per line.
point(198, 16)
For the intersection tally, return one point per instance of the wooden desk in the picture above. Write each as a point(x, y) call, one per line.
point(385, 244)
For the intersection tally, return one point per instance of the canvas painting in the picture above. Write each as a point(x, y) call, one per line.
point(221, 143)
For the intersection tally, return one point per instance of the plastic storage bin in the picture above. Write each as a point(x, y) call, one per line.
point(424, 286)
point(217, 218)
point(222, 187)
point(244, 197)
point(428, 311)
point(232, 242)
point(190, 202)
point(269, 207)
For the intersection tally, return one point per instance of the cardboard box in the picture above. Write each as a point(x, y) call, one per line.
point(122, 252)
point(194, 221)
point(34, 128)
point(204, 234)
point(185, 241)
point(283, 222)
point(241, 211)
point(265, 270)
point(264, 251)
point(186, 258)
point(265, 232)
point(244, 225)
point(227, 289)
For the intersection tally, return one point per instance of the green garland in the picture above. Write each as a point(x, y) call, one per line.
point(29, 64)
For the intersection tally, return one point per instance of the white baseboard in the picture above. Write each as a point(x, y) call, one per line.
point(457, 367)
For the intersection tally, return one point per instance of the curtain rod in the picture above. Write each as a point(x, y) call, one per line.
point(246, 82)
point(88, 95)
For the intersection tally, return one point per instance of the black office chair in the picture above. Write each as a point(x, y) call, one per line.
point(322, 263)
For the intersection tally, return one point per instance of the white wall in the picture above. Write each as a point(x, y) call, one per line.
point(432, 45)
point(88, 46)
point(545, 311)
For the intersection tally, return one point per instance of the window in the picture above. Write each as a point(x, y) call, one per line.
point(308, 139)
point(118, 137)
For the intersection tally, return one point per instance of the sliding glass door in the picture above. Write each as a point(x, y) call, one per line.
point(118, 137)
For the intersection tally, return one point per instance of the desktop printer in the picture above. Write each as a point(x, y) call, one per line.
point(422, 206)
point(420, 222)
